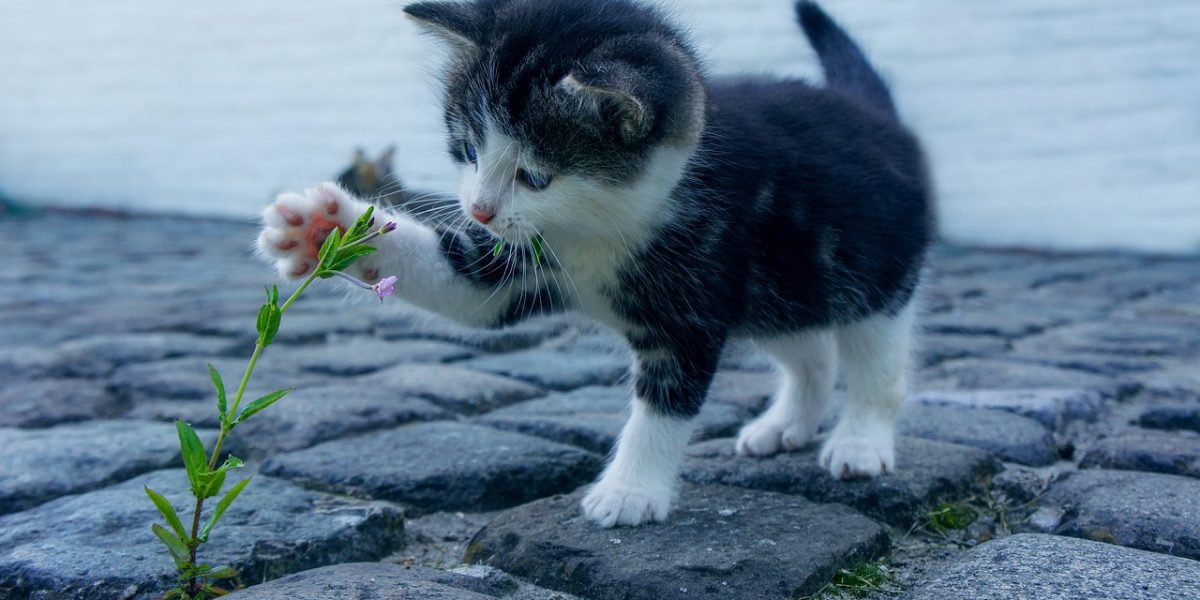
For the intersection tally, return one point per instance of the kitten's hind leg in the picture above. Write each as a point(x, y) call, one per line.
point(874, 355)
point(808, 364)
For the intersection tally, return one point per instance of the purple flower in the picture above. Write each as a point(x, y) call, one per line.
point(388, 227)
point(386, 287)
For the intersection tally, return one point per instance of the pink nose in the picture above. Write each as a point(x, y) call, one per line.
point(482, 214)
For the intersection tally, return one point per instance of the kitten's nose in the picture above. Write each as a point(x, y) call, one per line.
point(482, 213)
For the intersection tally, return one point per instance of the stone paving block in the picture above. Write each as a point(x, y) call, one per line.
point(996, 319)
point(927, 473)
point(99, 546)
point(719, 542)
point(1178, 381)
point(305, 417)
point(1146, 450)
point(1000, 373)
point(1051, 407)
point(1171, 417)
point(188, 378)
point(440, 466)
point(1150, 511)
point(1050, 567)
point(20, 363)
point(296, 328)
point(554, 370)
point(935, 349)
point(453, 387)
point(750, 389)
point(410, 324)
point(1009, 436)
point(361, 355)
point(377, 581)
point(592, 417)
point(42, 464)
point(98, 355)
point(46, 402)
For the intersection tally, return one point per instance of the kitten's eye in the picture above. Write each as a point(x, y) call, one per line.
point(534, 181)
point(469, 151)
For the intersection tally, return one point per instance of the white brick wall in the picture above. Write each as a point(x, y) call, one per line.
point(1069, 123)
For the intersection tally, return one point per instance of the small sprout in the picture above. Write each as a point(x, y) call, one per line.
point(498, 248)
point(386, 287)
point(388, 227)
point(949, 516)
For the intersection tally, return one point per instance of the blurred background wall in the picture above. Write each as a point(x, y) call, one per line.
point(1060, 123)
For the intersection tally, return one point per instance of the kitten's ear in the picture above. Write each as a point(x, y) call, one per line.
point(384, 162)
point(456, 22)
point(360, 157)
point(612, 89)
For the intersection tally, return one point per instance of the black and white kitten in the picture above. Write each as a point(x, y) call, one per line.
point(679, 210)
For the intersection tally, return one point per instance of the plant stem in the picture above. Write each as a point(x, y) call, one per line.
point(226, 427)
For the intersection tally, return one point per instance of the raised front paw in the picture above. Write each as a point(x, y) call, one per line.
point(296, 225)
point(608, 504)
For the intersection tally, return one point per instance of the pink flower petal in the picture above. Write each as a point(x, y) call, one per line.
point(386, 287)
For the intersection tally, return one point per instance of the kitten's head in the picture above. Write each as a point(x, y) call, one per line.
point(565, 115)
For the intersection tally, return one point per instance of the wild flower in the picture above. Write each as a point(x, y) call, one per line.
point(207, 479)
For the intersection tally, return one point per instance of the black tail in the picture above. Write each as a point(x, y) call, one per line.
point(846, 68)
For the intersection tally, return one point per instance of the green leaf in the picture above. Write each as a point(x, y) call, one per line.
point(176, 546)
point(347, 256)
point(222, 572)
point(269, 316)
point(537, 248)
point(222, 506)
point(273, 297)
point(213, 483)
point(359, 229)
point(329, 249)
point(194, 458)
point(261, 403)
point(220, 385)
point(168, 512)
point(498, 248)
point(231, 462)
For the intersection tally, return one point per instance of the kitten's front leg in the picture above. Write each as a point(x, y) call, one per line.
point(642, 478)
point(452, 273)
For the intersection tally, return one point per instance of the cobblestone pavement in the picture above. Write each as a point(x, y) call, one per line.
point(1051, 445)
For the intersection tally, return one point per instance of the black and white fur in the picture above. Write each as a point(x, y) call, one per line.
point(680, 211)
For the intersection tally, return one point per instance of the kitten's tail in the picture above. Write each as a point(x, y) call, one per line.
point(846, 68)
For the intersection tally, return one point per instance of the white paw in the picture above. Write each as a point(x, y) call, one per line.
point(767, 435)
point(849, 455)
point(609, 505)
point(296, 225)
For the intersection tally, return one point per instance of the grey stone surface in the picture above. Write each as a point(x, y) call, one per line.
point(361, 355)
point(411, 324)
point(453, 387)
point(188, 379)
point(592, 417)
point(440, 466)
point(99, 355)
point(1003, 372)
point(939, 348)
point(1171, 417)
point(1051, 407)
point(45, 402)
point(377, 581)
point(719, 542)
point(42, 464)
point(555, 370)
point(927, 473)
point(1049, 567)
point(1155, 451)
point(98, 545)
point(19, 363)
point(1009, 436)
point(1155, 512)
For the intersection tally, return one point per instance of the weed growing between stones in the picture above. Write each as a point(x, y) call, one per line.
point(858, 581)
point(197, 580)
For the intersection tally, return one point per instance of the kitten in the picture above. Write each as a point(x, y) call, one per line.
point(679, 210)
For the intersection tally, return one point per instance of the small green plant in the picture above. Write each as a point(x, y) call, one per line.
point(857, 581)
point(197, 581)
point(947, 517)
